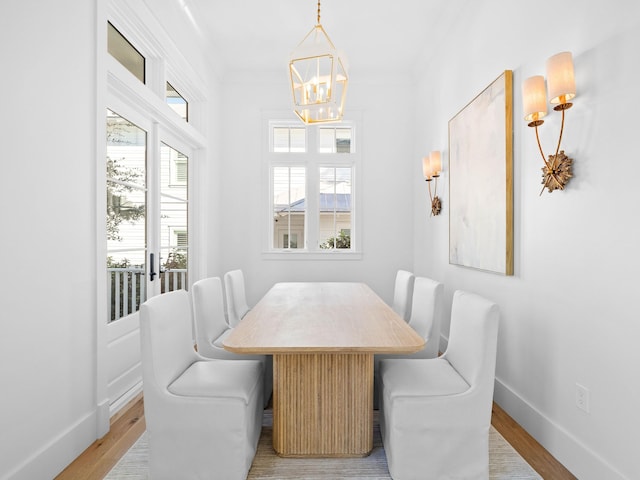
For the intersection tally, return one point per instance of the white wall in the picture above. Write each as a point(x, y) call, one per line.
point(385, 142)
point(47, 199)
point(567, 315)
point(52, 389)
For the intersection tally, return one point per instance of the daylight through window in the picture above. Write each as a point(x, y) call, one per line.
point(311, 177)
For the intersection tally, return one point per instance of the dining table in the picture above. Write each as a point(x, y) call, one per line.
point(323, 337)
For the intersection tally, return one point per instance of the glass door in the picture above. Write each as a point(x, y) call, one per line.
point(126, 165)
point(147, 217)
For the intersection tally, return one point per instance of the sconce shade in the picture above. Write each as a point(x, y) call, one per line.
point(534, 98)
point(426, 167)
point(318, 79)
point(436, 162)
point(560, 78)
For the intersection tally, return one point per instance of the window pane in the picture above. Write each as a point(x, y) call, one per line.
point(120, 48)
point(327, 140)
point(335, 140)
point(298, 138)
point(289, 207)
point(174, 239)
point(177, 102)
point(126, 212)
point(343, 140)
point(288, 139)
point(280, 139)
point(335, 207)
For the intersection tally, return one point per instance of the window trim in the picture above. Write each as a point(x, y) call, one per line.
point(312, 160)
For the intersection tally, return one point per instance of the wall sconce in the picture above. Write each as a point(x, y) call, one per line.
point(562, 88)
point(431, 167)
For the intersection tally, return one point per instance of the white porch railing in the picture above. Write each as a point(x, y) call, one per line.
point(126, 288)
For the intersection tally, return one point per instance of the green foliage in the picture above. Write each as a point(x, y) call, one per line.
point(118, 208)
point(341, 241)
point(176, 259)
point(124, 263)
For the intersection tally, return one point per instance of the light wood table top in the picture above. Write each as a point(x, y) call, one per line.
point(339, 317)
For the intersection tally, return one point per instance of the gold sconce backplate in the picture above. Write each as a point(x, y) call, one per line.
point(436, 206)
point(556, 172)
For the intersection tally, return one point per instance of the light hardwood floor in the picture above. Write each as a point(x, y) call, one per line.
point(127, 426)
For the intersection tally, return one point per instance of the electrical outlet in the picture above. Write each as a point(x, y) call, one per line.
point(582, 397)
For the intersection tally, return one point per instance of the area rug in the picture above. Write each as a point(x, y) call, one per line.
point(505, 462)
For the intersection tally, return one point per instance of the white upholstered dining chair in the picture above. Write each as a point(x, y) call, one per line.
point(211, 328)
point(436, 413)
point(203, 416)
point(426, 311)
point(402, 293)
point(236, 297)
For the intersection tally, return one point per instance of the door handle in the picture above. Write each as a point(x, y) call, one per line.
point(152, 270)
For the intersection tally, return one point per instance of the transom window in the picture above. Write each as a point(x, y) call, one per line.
point(335, 140)
point(122, 50)
point(286, 139)
point(312, 175)
point(177, 102)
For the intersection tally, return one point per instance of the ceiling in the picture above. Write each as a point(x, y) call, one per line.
point(259, 35)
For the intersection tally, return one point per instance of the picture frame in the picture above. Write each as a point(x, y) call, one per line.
point(481, 180)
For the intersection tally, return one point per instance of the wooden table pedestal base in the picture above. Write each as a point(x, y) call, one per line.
point(323, 404)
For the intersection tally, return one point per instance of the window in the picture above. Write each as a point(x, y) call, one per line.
point(121, 49)
point(177, 102)
point(179, 172)
point(312, 177)
point(181, 240)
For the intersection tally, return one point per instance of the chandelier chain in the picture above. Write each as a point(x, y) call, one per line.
point(318, 12)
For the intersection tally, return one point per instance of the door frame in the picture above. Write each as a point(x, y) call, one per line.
point(144, 105)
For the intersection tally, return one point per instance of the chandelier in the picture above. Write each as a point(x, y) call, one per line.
point(318, 78)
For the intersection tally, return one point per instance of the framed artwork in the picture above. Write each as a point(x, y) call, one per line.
point(481, 180)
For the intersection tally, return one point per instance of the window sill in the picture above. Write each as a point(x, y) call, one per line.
point(300, 254)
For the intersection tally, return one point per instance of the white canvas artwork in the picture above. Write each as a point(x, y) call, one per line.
point(480, 181)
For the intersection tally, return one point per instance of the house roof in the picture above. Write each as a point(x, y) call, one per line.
point(329, 202)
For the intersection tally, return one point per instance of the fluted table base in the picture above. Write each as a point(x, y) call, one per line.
point(323, 404)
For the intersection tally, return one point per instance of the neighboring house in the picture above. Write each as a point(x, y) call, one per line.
point(335, 216)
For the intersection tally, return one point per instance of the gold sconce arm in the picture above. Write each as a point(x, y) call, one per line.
point(436, 204)
point(557, 169)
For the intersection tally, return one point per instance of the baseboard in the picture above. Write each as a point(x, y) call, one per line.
point(103, 418)
point(584, 463)
point(124, 400)
point(54, 457)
